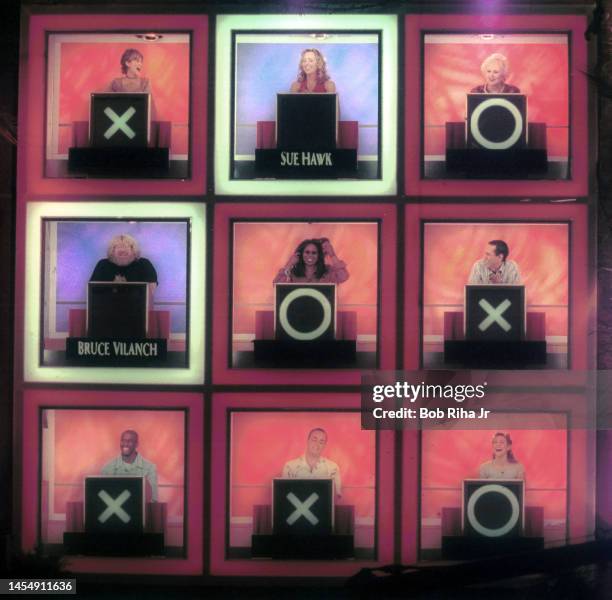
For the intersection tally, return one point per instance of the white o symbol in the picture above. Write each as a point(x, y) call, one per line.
point(486, 531)
point(311, 293)
point(514, 136)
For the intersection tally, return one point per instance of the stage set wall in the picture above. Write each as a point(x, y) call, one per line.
point(394, 256)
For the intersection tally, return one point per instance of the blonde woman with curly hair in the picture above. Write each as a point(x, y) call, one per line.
point(312, 74)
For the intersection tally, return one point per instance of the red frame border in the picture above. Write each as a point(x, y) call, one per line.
point(577, 186)
point(219, 564)
point(31, 180)
point(580, 297)
point(224, 213)
point(34, 400)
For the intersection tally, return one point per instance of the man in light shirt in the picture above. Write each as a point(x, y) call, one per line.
point(495, 266)
point(311, 465)
point(129, 462)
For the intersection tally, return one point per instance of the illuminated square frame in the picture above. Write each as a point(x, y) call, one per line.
point(226, 213)
point(574, 214)
point(34, 401)
point(37, 212)
point(223, 404)
point(227, 24)
point(33, 102)
point(416, 185)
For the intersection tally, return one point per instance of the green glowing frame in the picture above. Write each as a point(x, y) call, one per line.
point(195, 214)
point(227, 24)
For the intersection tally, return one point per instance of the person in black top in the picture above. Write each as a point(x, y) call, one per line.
point(124, 263)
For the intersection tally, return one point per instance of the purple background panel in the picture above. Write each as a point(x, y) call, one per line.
point(81, 244)
point(265, 69)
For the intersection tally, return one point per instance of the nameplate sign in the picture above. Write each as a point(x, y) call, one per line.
point(298, 164)
point(103, 352)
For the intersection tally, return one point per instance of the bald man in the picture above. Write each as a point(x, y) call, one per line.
point(129, 462)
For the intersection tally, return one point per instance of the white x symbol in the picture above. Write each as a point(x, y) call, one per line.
point(119, 122)
point(113, 507)
point(495, 315)
point(302, 509)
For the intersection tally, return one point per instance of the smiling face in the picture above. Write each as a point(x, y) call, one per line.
point(309, 63)
point(316, 443)
point(310, 255)
point(128, 444)
point(500, 446)
point(494, 73)
point(123, 253)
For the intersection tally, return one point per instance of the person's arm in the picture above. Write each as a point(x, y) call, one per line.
point(295, 86)
point(335, 475)
point(483, 471)
point(337, 267)
point(330, 86)
point(513, 273)
point(287, 471)
point(151, 477)
point(521, 473)
point(474, 274)
point(284, 274)
point(108, 468)
point(98, 272)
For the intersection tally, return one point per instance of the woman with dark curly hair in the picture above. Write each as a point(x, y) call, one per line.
point(307, 264)
point(312, 74)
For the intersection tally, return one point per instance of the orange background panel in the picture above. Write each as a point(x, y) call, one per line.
point(540, 250)
point(540, 70)
point(87, 67)
point(262, 442)
point(449, 457)
point(261, 249)
point(85, 440)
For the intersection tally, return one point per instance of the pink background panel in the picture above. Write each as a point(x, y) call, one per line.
point(262, 442)
point(535, 251)
point(261, 249)
point(31, 182)
point(540, 250)
point(225, 213)
point(462, 73)
point(151, 426)
point(346, 444)
point(85, 440)
point(87, 67)
point(449, 457)
point(539, 70)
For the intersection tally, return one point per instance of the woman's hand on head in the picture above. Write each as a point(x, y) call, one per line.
point(328, 249)
point(293, 260)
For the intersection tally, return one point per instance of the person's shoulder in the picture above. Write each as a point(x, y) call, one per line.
point(330, 463)
point(116, 85)
point(294, 462)
point(146, 463)
point(330, 86)
point(295, 86)
point(511, 89)
point(479, 89)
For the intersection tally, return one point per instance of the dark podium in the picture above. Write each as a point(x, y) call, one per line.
point(305, 330)
point(114, 520)
point(494, 330)
point(303, 523)
point(306, 140)
point(494, 143)
point(493, 521)
point(117, 324)
point(119, 136)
